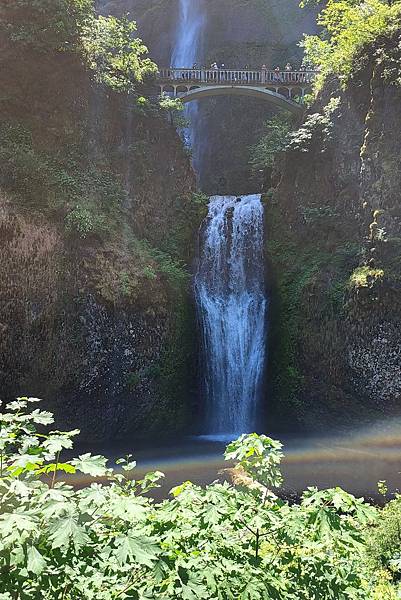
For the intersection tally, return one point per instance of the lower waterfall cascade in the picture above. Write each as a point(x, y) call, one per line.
point(232, 310)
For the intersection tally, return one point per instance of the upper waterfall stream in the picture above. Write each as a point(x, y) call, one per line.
point(186, 52)
point(232, 306)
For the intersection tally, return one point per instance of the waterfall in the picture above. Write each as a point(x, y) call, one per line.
point(189, 31)
point(186, 52)
point(232, 307)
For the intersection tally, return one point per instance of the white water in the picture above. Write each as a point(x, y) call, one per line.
point(186, 53)
point(189, 32)
point(232, 307)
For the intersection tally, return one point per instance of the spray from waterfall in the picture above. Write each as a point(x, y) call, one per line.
point(232, 308)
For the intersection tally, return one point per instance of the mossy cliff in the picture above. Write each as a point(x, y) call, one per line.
point(333, 220)
point(98, 217)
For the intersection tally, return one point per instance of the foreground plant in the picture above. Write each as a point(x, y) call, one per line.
point(225, 542)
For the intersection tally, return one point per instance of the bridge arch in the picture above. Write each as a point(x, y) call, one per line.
point(181, 89)
point(265, 94)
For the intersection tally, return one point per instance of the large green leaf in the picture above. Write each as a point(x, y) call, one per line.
point(66, 530)
point(57, 441)
point(16, 522)
point(42, 417)
point(91, 465)
point(36, 562)
point(138, 548)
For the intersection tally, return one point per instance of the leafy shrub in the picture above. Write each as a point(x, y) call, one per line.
point(316, 128)
point(46, 25)
point(110, 540)
point(154, 371)
point(348, 26)
point(318, 215)
point(384, 548)
point(52, 182)
point(28, 172)
point(83, 222)
point(274, 140)
point(173, 269)
point(114, 54)
point(365, 277)
point(149, 272)
point(106, 45)
point(133, 380)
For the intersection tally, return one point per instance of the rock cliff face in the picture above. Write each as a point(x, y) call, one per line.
point(333, 229)
point(98, 217)
point(103, 331)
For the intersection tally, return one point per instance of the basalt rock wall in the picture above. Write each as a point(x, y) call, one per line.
point(333, 217)
point(98, 221)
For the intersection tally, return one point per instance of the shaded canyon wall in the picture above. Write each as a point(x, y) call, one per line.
point(98, 217)
point(333, 215)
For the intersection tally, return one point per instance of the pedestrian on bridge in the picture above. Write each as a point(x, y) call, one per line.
point(277, 74)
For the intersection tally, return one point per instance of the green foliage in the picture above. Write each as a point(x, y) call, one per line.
point(273, 141)
point(92, 196)
point(46, 25)
point(317, 128)
point(384, 541)
point(83, 222)
point(259, 456)
point(106, 45)
point(319, 215)
point(348, 26)
point(300, 270)
point(189, 209)
point(30, 173)
point(173, 269)
point(112, 52)
point(109, 540)
point(174, 108)
point(365, 277)
point(133, 379)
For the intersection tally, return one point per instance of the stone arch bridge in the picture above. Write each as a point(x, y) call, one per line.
point(284, 89)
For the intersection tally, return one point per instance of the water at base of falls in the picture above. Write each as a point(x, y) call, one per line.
point(232, 306)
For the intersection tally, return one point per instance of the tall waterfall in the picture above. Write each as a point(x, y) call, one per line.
point(232, 307)
point(189, 33)
point(186, 52)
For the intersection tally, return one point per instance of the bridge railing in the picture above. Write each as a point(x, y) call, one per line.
point(244, 76)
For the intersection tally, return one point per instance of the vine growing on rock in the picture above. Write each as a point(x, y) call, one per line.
point(109, 540)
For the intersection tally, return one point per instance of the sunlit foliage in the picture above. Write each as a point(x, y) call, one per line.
point(114, 54)
point(347, 27)
point(228, 542)
point(274, 140)
point(107, 45)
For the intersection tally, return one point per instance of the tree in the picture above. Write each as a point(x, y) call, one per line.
point(106, 45)
point(274, 140)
